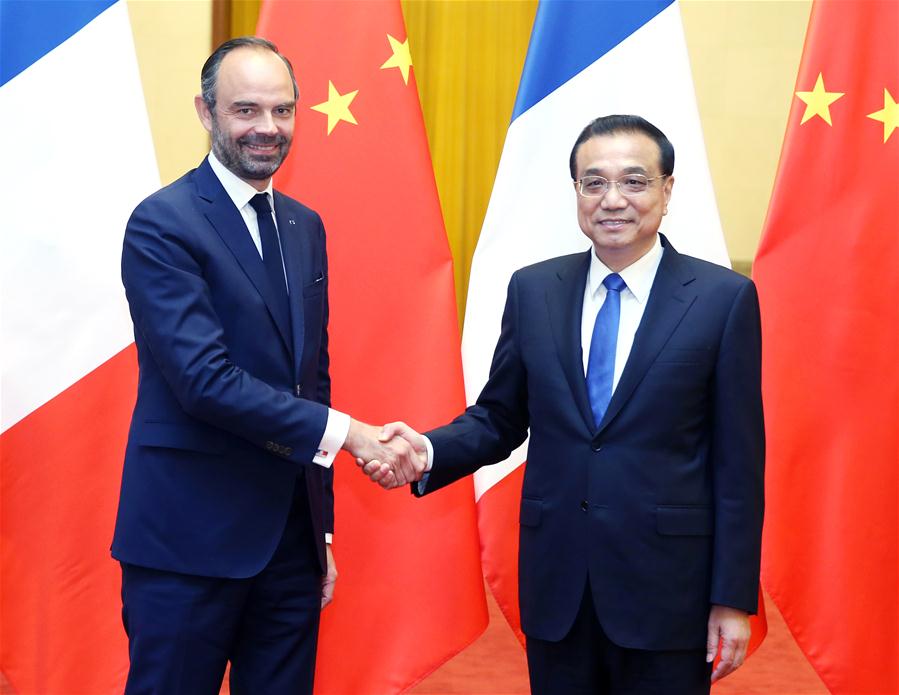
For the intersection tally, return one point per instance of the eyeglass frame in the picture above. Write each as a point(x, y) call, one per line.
point(617, 182)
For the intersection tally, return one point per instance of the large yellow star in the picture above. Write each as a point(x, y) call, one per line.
point(889, 115)
point(401, 57)
point(337, 107)
point(818, 101)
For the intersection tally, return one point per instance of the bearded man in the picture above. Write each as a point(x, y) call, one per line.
point(226, 507)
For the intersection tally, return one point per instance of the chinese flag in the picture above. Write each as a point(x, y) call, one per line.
point(410, 593)
point(828, 275)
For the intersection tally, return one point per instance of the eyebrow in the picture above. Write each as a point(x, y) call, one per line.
point(244, 104)
point(594, 171)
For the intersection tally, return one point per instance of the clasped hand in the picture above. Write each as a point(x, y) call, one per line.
point(392, 456)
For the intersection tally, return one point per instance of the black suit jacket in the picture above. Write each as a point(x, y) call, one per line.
point(661, 505)
point(232, 398)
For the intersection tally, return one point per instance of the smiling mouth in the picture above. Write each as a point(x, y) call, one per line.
point(613, 223)
point(262, 149)
point(268, 146)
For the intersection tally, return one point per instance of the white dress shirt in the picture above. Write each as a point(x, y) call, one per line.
point(638, 277)
point(240, 192)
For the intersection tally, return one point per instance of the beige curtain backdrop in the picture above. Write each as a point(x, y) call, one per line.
point(467, 57)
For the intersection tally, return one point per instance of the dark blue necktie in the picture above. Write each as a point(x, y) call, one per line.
point(601, 365)
point(271, 251)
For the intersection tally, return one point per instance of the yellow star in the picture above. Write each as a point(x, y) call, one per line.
point(889, 115)
point(401, 57)
point(818, 101)
point(337, 107)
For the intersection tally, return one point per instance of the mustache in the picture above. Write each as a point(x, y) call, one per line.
point(258, 139)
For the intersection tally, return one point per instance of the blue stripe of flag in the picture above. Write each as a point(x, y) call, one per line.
point(569, 35)
point(29, 29)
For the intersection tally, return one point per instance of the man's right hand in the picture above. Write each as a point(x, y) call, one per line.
point(391, 434)
point(388, 460)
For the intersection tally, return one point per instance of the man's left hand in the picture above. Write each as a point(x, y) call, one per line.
point(729, 627)
point(329, 579)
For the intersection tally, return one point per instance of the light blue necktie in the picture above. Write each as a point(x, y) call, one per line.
point(601, 365)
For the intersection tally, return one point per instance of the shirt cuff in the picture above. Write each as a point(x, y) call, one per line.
point(336, 430)
point(329, 538)
point(430, 448)
point(423, 483)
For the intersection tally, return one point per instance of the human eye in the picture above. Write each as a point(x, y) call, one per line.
point(634, 183)
point(284, 111)
point(594, 184)
point(243, 110)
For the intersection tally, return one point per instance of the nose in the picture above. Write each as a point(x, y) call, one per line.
point(613, 200)
point(265, 124)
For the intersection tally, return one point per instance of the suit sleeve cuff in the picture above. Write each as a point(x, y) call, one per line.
point(336, 430)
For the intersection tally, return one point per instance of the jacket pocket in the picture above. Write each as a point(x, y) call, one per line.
point(672, 520)
point(170, 435)
point(531, 511)
point(315, 287)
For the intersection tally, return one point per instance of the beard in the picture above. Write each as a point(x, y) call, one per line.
point(244, 162)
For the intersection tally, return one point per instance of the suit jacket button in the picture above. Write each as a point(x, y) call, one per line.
point(288, 451)
point(584, 505)
point(269, 445)
point(596, 446)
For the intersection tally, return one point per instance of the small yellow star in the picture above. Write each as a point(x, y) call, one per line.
point(889, 115)
point(337, 107)
point(818, 101)
point(401, 57)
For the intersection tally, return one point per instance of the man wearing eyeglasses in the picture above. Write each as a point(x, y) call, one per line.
point(637, 371)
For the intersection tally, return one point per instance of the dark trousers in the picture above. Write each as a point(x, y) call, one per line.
point(586, 662)
point(184, 629)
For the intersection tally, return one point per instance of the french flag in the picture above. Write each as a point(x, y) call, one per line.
point(585, 59)
point(77, 157)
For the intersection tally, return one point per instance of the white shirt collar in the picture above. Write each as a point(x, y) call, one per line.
point(638, 276)
point(237, 189)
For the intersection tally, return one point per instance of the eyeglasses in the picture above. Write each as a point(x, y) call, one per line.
point(630, 185)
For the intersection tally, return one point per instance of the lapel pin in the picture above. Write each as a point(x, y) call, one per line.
point(291, 222)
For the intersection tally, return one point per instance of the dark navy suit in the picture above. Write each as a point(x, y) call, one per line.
point(660, 507)
point(233, 397)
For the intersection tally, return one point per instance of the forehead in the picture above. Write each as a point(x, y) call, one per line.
point(617, 152)
point(248, 72)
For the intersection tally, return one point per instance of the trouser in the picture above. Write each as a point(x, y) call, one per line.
point(184, 629)
point(587, 662)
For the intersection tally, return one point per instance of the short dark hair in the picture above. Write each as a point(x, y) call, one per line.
point(610, 125)
point(210, 73)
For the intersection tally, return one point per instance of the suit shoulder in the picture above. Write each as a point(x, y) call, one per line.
point(714, 273)
point(551, 267)
point(172, 194)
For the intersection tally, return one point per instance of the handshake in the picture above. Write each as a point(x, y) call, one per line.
point(392, 456)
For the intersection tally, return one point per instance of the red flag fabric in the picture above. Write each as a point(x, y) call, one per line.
point(61, 625)
point(828, 276)
point(410, 593)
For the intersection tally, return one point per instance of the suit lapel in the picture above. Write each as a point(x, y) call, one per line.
point(294, 246)
point(565, 302)
point(229, 224)
point(669, 300)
